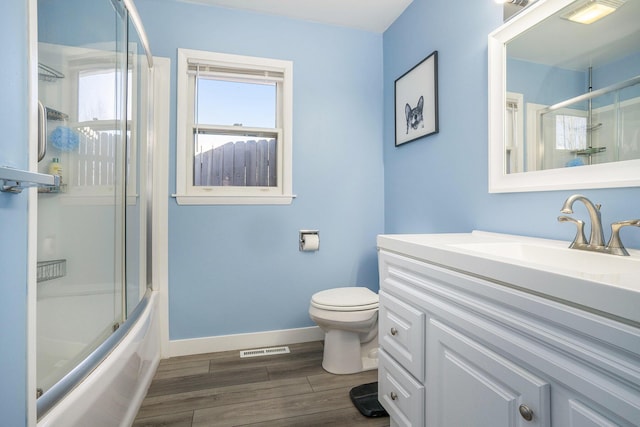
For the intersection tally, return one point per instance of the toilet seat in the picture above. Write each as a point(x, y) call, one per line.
point(345, 299)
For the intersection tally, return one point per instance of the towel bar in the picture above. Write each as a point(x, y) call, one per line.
point(15, 180)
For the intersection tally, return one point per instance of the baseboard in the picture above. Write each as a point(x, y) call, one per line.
point(244, 341)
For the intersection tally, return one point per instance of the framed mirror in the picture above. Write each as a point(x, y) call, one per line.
point(564, 98)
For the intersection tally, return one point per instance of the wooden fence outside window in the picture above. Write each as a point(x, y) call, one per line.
point(242, 164)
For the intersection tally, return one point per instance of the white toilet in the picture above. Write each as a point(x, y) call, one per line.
point(349, 319)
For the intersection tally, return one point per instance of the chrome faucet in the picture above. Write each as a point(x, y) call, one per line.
point(579, 241)
point(615, 245)
point(597, 236)
point(596, 239)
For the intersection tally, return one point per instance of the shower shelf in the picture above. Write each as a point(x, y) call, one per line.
point(590, 151)
point(62, 188)
point(48, 73)
point(55, 115)
point(49, 270)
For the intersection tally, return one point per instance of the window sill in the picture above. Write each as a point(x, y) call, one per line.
point(234, 200)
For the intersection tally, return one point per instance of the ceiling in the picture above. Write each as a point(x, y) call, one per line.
point(369, 15)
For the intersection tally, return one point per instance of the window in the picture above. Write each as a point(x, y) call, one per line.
point(571, 132)
point(97, 89)
point(99, 109)
point(233, 129)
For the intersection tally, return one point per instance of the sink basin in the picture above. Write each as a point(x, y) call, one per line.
point(606, 268)
point(607, 284)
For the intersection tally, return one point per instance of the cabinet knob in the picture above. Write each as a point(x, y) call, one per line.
point(394, 331)
point(393, 396)
point(526, 412)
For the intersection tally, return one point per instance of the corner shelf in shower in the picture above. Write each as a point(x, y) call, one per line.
point(48, 73)
point(590, 151)
point(62, 188)
point(49, 270)
point(55, 115)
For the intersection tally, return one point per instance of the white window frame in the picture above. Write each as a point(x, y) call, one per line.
point(186, 192)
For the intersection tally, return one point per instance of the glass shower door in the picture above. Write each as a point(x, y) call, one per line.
point(81, 224)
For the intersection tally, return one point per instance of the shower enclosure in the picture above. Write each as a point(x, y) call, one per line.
point(600, 126)
point(95, 108)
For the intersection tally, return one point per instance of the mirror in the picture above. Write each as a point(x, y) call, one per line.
point(564, 99)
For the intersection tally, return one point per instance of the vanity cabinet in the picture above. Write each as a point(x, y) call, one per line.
point(458, 349)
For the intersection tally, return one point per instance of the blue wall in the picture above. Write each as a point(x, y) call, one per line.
point(439, 183)
point(542, 84)
point(237, 269)
point(13, 216)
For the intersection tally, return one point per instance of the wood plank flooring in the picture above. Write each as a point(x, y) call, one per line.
point(221, 389)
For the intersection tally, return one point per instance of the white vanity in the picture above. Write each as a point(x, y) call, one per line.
point(490, 330)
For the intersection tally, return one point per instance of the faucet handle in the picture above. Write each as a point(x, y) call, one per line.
point(615, 245)
point(580, 239)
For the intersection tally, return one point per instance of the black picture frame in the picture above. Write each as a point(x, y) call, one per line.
point(416, 101)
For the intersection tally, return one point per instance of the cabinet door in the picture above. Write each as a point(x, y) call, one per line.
point(470, 385)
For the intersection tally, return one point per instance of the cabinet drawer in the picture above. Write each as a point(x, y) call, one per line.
point(402, 333)
point(400, 394)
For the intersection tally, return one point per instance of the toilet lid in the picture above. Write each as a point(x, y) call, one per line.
point(345, 299)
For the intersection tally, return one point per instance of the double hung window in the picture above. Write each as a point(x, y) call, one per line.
point(234, 129)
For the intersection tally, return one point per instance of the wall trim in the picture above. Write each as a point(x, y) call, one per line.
point(160, 211)
point(191, 346)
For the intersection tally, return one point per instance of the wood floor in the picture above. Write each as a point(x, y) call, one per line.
point(221, 389)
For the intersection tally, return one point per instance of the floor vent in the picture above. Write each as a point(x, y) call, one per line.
point(264, 351)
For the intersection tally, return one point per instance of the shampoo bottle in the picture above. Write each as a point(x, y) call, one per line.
point(55, 168)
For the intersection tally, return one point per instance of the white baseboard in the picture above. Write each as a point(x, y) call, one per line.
point(244, 341)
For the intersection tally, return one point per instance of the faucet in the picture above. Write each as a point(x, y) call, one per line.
point(615, 245)
point(579, 240)
point(596, 239)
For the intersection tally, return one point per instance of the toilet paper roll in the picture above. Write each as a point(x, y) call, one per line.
point(311, 242)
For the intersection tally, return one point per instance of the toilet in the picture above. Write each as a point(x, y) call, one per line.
point(349, 319)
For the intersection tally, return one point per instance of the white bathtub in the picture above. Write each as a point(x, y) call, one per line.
point(72, 321)
point(112, 393)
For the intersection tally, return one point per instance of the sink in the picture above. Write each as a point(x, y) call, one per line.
point(604, 283)
point(607, 268)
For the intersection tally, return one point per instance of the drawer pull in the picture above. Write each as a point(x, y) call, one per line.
point(394, 331)
point(526, 412)
point(393, 396)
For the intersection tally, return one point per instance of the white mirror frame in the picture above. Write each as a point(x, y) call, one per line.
point(617, 174)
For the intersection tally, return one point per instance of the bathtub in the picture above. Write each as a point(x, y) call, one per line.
point(108, 387)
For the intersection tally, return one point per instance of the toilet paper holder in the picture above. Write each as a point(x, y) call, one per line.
point(303, 234)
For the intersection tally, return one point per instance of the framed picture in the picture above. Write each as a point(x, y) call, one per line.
point(416, 101)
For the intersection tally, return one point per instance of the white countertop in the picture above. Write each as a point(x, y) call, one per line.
point(600, 282)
